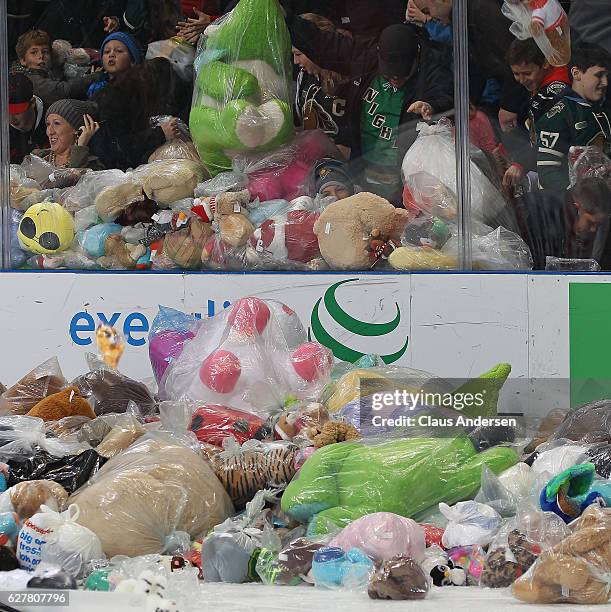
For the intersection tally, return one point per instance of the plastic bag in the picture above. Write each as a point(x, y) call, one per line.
point(588, 423)
point(577, 570)
point(92, 185)
point(241, 99)
point(37, 169)
point(399, 578)
point(587, 162)
point(175, 149)
point(45, 379)
point(429, 174)
point(290, 565)
point(168, 180)
point(240, 358)
point(332, 568)
point(170, 330)
point(110, 391)
point(470, 523)
point(225, 181)
point(70, 545)
point(20, 186)
point(557, 455)
point(230, 552)
point(562, 264)
point(244, 470)
point(546, 22)
point(26, 498)
point(158, 486)
point(179, 53)
point(342, 482)
point(111, 434)
point(382, 536)
point(56, 538)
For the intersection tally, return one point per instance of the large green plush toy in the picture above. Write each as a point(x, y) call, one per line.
point(242, 90)
point(342, 482)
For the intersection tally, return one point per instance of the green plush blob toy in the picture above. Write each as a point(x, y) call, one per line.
point(242, 90)
point(342, 482)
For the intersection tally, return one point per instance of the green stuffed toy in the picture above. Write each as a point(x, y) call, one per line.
point(342, 482)
point(242, 89)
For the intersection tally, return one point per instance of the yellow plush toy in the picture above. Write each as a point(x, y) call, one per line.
point(46, 228)
point(418, 258)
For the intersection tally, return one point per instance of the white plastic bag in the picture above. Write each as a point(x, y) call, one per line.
point(179, 53)
point(470, 523)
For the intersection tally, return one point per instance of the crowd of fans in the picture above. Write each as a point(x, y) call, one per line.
point(365, 73)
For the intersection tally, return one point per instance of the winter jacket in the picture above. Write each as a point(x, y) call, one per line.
point(80, 157)
point(51, 89)
point(358, 59)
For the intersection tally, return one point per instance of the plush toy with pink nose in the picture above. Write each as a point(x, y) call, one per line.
point(252, 356)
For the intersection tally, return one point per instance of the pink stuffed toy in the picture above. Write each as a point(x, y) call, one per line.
point(382, 536)
point(288, 237)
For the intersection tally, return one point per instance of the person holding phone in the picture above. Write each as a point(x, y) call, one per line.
point(70, 128)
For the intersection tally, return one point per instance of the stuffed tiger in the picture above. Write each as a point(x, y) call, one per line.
point(270, 465)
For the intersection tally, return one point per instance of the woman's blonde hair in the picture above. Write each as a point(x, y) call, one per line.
point(322, 23)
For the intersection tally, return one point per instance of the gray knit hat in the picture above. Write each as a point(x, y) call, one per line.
point(72, 111)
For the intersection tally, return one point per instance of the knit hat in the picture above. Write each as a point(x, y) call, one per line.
point(20, 93)
point(398, 49)
point(128, 41)
point(329, 171)
point(72, 111)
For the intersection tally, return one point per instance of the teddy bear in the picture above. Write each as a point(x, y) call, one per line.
point(67, 402)
point(332, 432)
point(242, 88)
point(421, 258)
point(170, 180)
point(119, 254)
point(184, 246)
point(229, 211)
point(27, 497)
point(344, 228)
point(576, 570)
point(399, 578)
point(111, 201)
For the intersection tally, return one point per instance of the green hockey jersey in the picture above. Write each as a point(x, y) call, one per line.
point(572, 121)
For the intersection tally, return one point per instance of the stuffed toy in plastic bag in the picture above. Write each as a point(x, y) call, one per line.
point(546, 22)
point(241, 98)
point(241, 359)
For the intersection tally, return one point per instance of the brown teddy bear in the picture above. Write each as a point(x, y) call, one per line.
point(27, 497)
point(332, 432)
point(170, 180)
point(67, 402)
point(577, 569)
point(344, 229)
point(184, 246)
point(120, 254)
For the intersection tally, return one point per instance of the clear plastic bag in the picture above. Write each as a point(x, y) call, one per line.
point(179, 53)
point(158, 486)
point(429, 174)
point(557, 455)
point(170, 330)
point(175, 149)
point(342, 482)
point(382, 536)
point(577, 570)
point(100, 188)
point(240, 358)
point(588, 423)
point(469, 523)
point(225, 181)
point(45, 379)
point(244, 470)
point(546, 22)
point(335, 569)
point(587, 162)
point(111, 434)
point(20, 187)
point(37, 169)
point(399, 578)
point(561, 264)
point(110, 391)
point(26, 498)
point(168, 180)
point(241, 99)
point(290, 565)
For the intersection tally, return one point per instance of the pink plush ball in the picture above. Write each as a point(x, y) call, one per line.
point(312, 361)
point(249, 314)
point(164, 347)
point(220, 371)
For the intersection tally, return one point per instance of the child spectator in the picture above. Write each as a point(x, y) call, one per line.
point(543, 83)
point(332, 179)
point(581, 116)
point(319, 103)
point(70, 127)
point(26, 118)
point(119, 52)
point(34, 53)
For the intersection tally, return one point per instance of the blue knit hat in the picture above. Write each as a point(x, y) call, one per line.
point(128, 41)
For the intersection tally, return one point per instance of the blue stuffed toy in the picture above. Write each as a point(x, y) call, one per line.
point(333, 568)
point(569, 493)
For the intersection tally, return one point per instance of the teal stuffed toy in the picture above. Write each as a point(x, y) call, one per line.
point(342, 482)
point(569, 493)
point(242, 89)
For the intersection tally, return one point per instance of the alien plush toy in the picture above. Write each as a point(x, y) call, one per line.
point(241, 99)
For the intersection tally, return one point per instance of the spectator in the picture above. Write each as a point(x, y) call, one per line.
point(581, 116)
point(332, 179)
point(544, 83)
point(70, 127)
point(319, 101)
point(126, 108)
point(34, 53)
point(26, 118)
point(399, 80)
point(119, 52)
point(565, 223)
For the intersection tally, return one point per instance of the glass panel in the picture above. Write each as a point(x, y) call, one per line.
point(540, 129)
point(134, 148)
